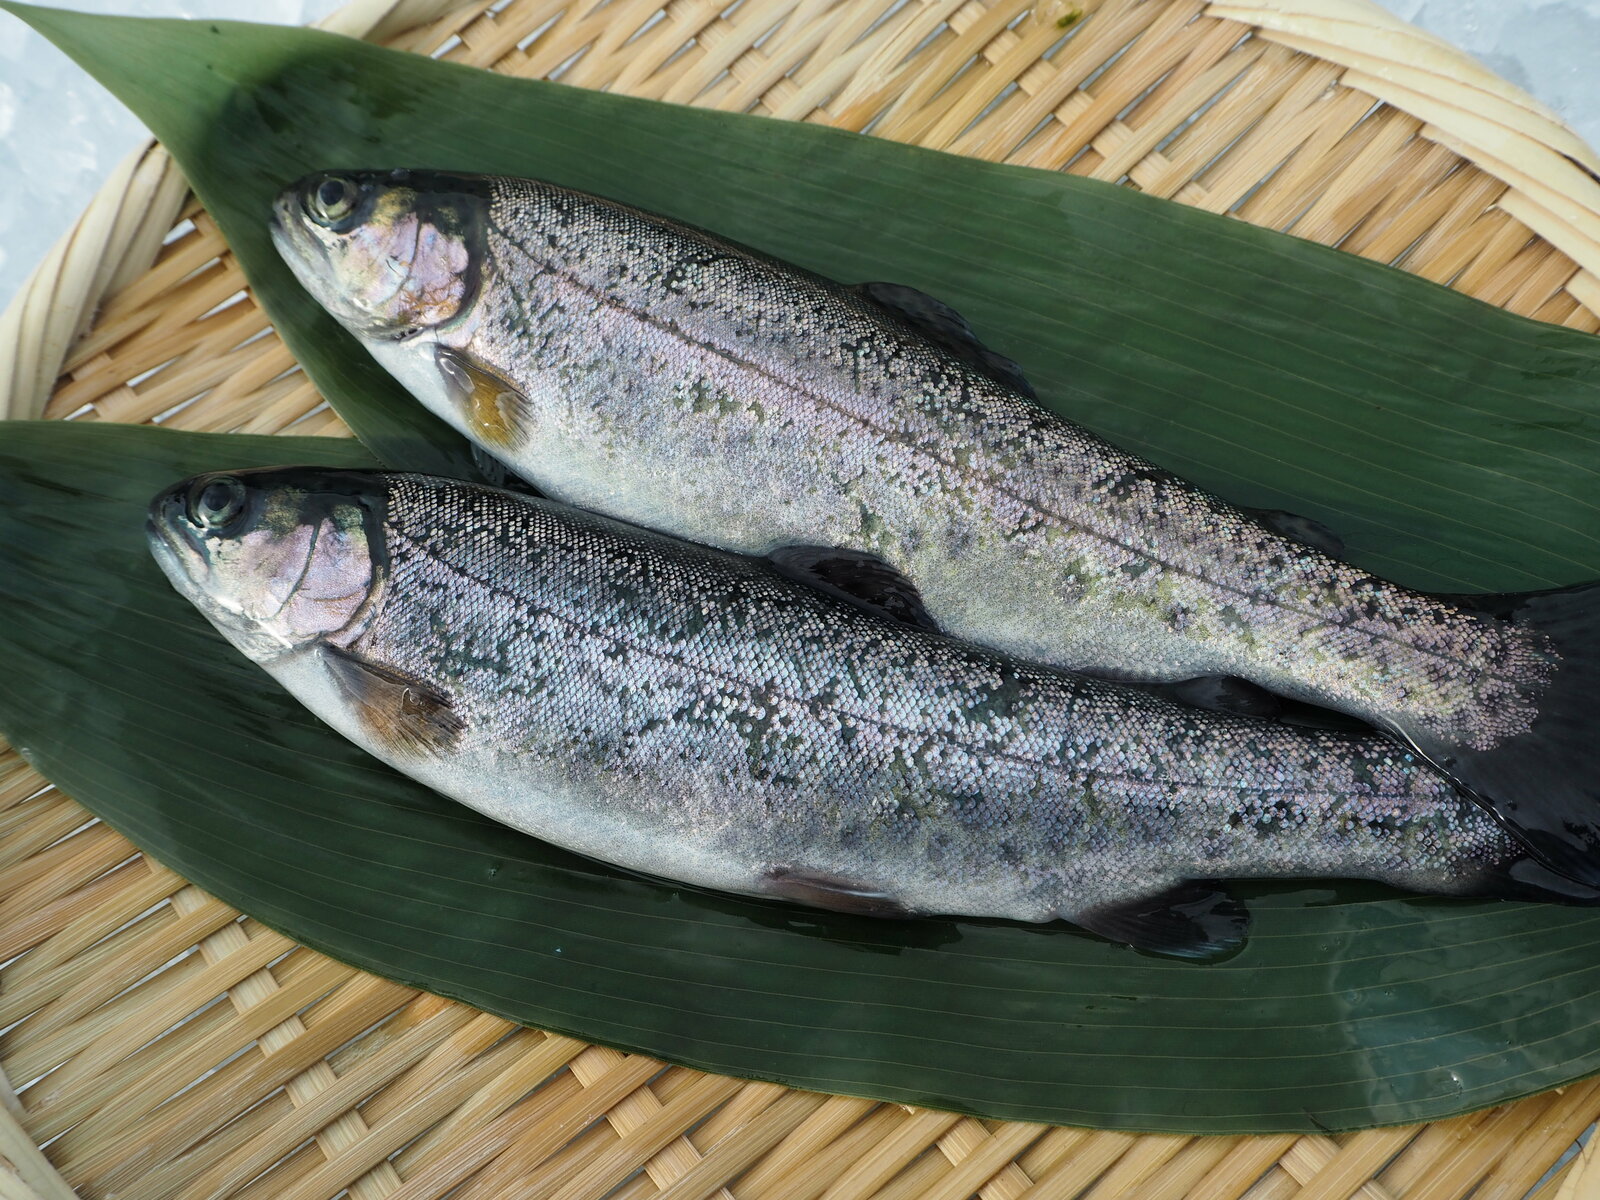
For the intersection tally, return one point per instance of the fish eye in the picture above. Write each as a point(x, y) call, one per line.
point(332, 200)
point(216, 504)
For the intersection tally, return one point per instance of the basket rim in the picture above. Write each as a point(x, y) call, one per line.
point(1465, 107)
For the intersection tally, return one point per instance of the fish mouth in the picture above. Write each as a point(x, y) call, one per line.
point(180, 553)
point(173, 545)
point(168, 556)
point(295, 245)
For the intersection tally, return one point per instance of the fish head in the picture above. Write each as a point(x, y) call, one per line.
point(276, 559)
point(389, 254)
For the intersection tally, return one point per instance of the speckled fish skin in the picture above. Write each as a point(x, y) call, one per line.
point(698, 716)
point(688, 385)
point(631, 365)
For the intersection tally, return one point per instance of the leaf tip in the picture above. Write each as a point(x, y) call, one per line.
point(54, 23)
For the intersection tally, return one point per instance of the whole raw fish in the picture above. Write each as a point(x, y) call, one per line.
point(700, 716)
point(632, 365)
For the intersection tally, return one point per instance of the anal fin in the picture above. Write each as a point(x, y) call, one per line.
point(863, 579)
point(832, 892)
point(407, 715)
point(1528, 879)
point(945, 327)
point(1191, 920)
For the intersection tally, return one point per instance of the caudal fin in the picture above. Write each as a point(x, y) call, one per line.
point(1525, 878)
point(1544, 785)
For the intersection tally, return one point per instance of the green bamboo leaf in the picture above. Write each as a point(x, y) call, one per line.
point(1453, 445)
point(1346, 1009)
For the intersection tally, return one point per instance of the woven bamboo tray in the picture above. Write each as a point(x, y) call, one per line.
point(186, 1051)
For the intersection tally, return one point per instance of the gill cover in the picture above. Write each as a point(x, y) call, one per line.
point(276, 559)
point(388, 253)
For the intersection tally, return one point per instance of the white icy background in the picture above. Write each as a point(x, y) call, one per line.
point(61, 133)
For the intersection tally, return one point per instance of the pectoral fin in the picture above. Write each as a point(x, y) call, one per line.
point(1192, 920)
point(405, 714)
point(944, 326)
point(496, 413)
point(832, 892)
point(863, 579)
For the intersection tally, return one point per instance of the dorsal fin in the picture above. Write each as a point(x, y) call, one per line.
point(496, 474)
point(1302, 529)
point(943, 325)
point(863, 579)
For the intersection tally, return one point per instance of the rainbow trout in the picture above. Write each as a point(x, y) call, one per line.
point(632, 365)
point(700, 716)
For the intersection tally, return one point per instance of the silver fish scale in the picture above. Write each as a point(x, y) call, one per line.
point(696, 715)
point(683, 383)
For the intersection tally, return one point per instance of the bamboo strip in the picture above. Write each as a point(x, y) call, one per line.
point(373, 1071)
point(232, 1088)
point(18, 780)
point(522, 1142)
point(31, 1176)
point(1558, 1122)
point(730, 1156)
point(63, 868)
point(821, 1128)
point(220, 1173)
point(1582, 1180)
point(70, 938)
point(288, 1173)
point(1089, 1159)
point(914, 1179)
point(549, 1175)
point(987, 1156)
point(27, 828)
point(119, 1141)
point(1333, 1170)
point(99, 1041)
point(479, 1037)
point(476, 1134)
point(94, 976)
point(809, 1179)
point(86, 915)
point(650, 1136)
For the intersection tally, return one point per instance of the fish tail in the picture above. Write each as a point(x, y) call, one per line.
point(1524, 877)
point(1543, 785)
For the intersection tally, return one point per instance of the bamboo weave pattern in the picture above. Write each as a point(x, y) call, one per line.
point(188, 1052)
